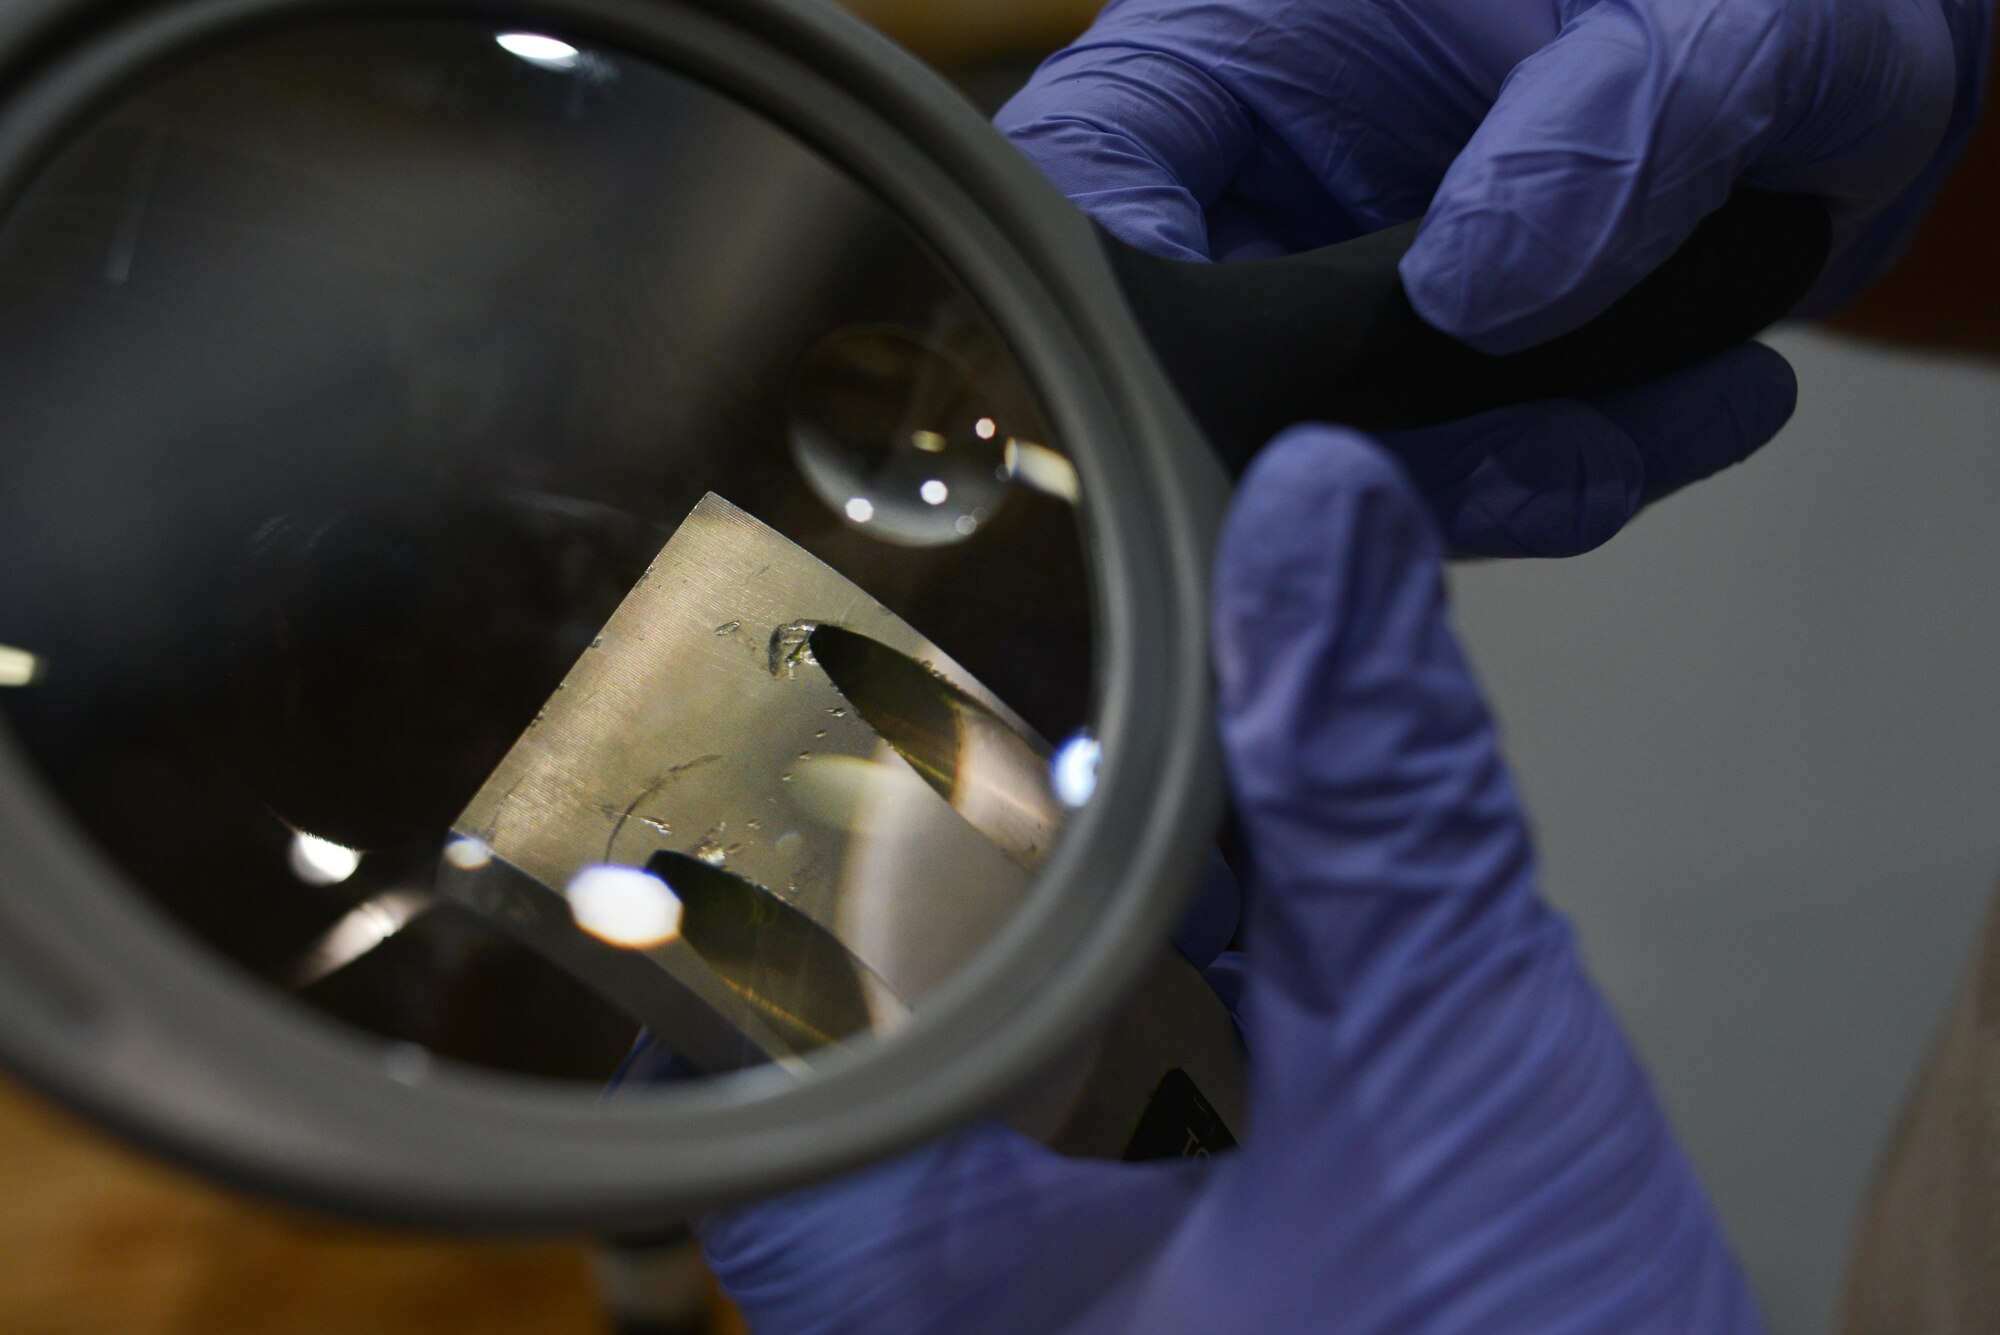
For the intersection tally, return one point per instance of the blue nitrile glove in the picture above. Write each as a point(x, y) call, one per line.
point(1447, 1131)
point(1557, 152)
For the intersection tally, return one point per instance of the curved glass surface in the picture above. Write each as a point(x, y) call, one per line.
point(516, 551)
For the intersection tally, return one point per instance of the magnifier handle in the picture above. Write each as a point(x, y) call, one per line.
point(1330, 335)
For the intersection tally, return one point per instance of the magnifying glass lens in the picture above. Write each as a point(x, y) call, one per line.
point(521, 553)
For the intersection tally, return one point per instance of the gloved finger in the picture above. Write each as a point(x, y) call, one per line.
point(1607, 146)
point(1691, 425)
point(1138, 135)
point(1562, 477)
point(1538, 479)
point(932, 1241)
point(1429, 1052)
point(1388, 850)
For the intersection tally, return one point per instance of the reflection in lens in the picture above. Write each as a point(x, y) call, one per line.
point(625, 906)
point(18, 667)
point(991, 771)
point(802, 980)
point(365, 927)
point(1042, 468)
point(319, 861)
point(896, 434)
point(548, 52)
point(467, 854)
point(1073, 772)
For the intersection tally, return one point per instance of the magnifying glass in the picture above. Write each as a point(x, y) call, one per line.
point(602, 599)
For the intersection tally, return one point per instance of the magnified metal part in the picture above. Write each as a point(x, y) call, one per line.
point(842, 833)
point(839, 816)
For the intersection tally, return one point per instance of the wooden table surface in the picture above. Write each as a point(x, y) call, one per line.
point(98, 1240)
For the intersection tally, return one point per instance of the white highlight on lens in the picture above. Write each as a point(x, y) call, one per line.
point(1044, 470)
point(1073, 772)
point(318, 861)
point(548, 52)
point(467, 854)
point(860, 509)
point(18, 667)
point(358, 931)
point(625, 906)
point(934, 492)
point(985, 428)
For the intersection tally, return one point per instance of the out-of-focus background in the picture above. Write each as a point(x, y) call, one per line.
point(1759, 736)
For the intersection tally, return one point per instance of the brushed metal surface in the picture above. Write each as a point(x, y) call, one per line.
point(700, 723)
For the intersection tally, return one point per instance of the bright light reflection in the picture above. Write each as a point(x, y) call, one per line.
point(467, 854)
point(18, 667)
point(317, 861)
point(625, 906)
point(985, 428)
point(860, 509)
point(547, 52)
point(1044, 470)
point(360, 930)
point(1073, 772)
point(934, 492)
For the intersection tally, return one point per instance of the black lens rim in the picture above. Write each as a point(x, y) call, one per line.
point(112, 1008)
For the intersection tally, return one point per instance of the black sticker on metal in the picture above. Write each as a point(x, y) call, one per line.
point(1178, 1124)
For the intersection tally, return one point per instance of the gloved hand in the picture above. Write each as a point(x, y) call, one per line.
point(1557, 153)
point(1447, 1131)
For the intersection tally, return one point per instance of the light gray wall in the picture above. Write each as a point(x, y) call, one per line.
point(1760, 733)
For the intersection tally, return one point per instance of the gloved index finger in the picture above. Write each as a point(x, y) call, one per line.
point(1131, 125)
point(1607, 147)
point(1381, 824)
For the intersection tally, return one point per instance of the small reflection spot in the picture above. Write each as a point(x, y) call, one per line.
point(468, 854)
point(18, 667)
point(319, 861)
point(860, 509)
point(1073, 772)
point(1043, 469)
point(985, 428)
point(934, 492)
point(625, 906)
point(548, 52)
